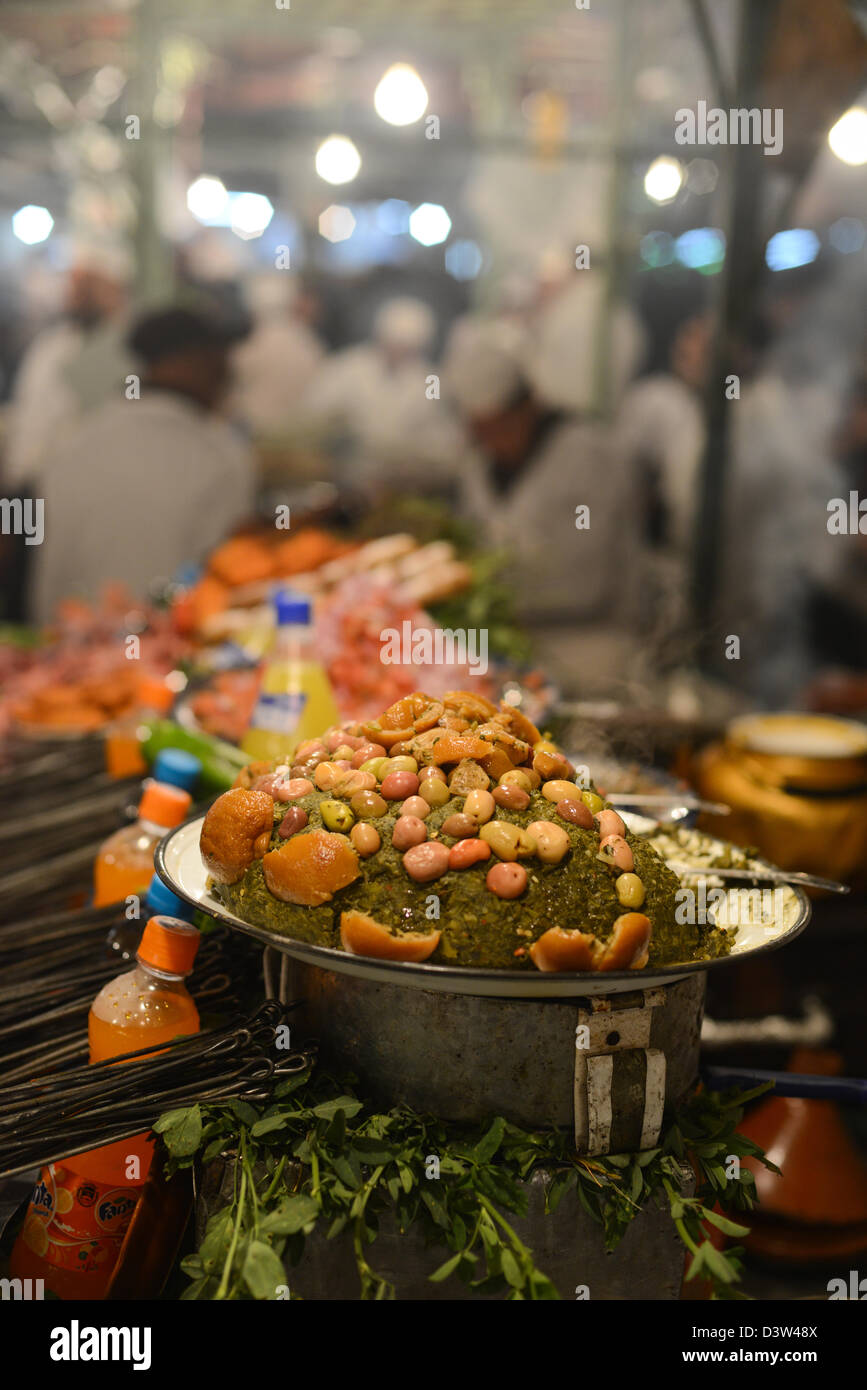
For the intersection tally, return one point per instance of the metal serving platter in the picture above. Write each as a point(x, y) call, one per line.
point(179, 865)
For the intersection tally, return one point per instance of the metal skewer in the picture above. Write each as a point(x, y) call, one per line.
point(687, 801)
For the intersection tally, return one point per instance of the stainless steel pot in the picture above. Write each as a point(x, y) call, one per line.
point(604, 1065)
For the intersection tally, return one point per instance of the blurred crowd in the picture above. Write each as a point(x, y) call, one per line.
point(566, 430)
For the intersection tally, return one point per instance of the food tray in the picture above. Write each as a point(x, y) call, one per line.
point(179, 864)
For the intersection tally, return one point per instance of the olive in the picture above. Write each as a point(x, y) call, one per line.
point(459, 826)
point(294, 820)
point(506, 840)
point(366, 753)
point(336, 815)
point(593, 802)
point(558, 790)
point(408, 831)
point(552, 842)
point(397, 786)
point(517, 777)
point(344, 751)
point(609, 823)
point(357, 781)
point(402, 764)
point(291, 789)
point(629, 890)
point(479, 805)
point(575, 812)
point(427, 861)
point(507, 880)
point(513, 797)
point(467, 852)
point(367, 805)
point(551, 765)
point(435, 793)
point(311, 747)
point(615, 851)
point(415, 806)
point(378, 766)
point(326, 776)
point(432, 774)
point(365, 839)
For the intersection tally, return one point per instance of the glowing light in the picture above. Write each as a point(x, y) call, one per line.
point(392, 217)
point(464, 260)
point(337, 223)
point(656, 249)
point(429, 224)
point(337, 160)
point(847, 234)
point(208, 201)
point(32, 224)
point(663, 179)
point(250, 214)
point(793, 247)
point(848, 138)
point(401, 96)
point(701, 248)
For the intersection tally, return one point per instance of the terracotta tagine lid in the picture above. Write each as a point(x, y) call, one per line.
point(817, 1209)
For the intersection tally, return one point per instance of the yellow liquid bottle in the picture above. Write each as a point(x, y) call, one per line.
point(295, 701)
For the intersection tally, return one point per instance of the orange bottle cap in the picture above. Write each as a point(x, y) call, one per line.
point(163, 804)
point(169, 944)
point(153, 693)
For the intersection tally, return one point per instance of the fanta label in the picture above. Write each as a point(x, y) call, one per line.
point(75, 1223)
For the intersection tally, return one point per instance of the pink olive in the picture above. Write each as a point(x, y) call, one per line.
point(333, 739)
point(408, 831)
point(575, 812)
point(459, 826)
point(415, 806)
point(343, 763)
point(609, 823)
point(310, 748)
point(365, 839)
point(426, 862)
point(294, 820)
point(513, 797)
point(366, 751)
point(467, 852)
point(614, 850)
point(507, 880)
point(431, 774)
point(397, 786)
point(291, 788)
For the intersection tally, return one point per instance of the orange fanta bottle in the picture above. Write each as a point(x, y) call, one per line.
point(125, 862)
point(80, 1209)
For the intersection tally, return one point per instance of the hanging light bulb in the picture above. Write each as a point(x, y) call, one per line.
point(401, 96)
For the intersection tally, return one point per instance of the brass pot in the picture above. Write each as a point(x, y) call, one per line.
point(797, 787)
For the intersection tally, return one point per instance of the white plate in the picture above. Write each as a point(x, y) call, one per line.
point(179, 864)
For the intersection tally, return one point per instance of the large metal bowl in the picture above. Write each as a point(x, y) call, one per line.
point(179, 864)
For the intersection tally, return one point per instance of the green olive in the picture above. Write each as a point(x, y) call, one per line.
point(344, 751)
point(435, 793)
point(336, 815)
point(508, 841)
point(629, 890)
point(403, 763)
point(378, 766)
point(593, 802)
point(368, 805)
point(516, 778)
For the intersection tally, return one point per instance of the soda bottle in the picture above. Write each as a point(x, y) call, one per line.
point(125, 862)
point(81, 1208)
point(123, 744)
point(177, 768)
point(295, 698)
point(124, 937)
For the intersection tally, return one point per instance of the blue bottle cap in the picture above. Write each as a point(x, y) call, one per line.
point(291, 607)
point(178, 768)
point(161, 900)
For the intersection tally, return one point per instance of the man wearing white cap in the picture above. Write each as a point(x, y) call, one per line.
point(553, 494)
point(277, 364)
point(398, 430)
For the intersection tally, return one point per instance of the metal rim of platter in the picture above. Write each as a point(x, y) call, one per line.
point(179, 865)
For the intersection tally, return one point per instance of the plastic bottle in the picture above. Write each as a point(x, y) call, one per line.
point(80, 1208)
point(123, 743)
point(124, 937)
point(177, 768)
point(125, 862)
point(295, 701)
